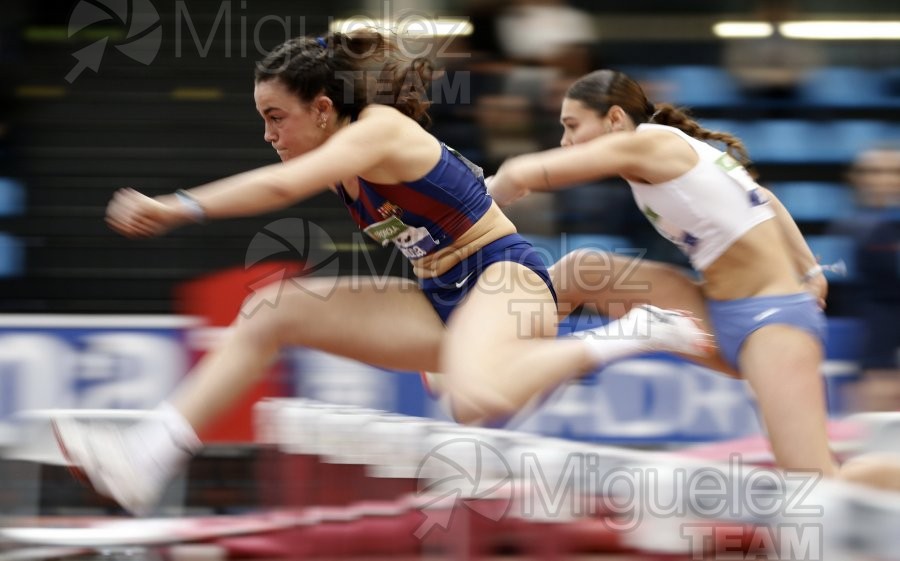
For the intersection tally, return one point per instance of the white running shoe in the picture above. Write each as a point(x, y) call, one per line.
point(673, 331)
point(657, 330)
point(101, 455)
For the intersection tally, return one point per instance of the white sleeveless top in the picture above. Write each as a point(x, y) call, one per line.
point(708, 208)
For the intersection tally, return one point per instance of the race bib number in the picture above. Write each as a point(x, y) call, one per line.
point(414, 243)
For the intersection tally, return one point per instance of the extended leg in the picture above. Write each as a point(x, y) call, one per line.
point(612, 284)
point(783, 366)
point(390, 324)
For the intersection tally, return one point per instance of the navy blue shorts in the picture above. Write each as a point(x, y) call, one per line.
point(734, 320)
point(446, 291)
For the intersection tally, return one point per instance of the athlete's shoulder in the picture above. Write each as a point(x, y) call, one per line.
point(388, 122)
point(377, 112)
point(377, 129)
point(652, 132)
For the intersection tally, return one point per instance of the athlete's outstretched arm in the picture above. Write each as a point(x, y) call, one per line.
point(353, 150)
point(559, 168)
point(646, 156)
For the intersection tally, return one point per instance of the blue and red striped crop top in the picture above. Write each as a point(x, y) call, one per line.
point(423, 216)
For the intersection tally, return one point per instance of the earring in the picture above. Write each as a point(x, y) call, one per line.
point(323, 123)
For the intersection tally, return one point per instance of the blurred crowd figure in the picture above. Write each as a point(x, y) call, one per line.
point(526, 54)
point(874, 227)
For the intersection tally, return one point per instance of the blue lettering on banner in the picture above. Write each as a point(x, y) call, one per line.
point(650, 400)
point(641, 400)
point(88, 366)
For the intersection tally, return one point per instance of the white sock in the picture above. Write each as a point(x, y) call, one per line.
point(625, 337)
point(163, 444)
point(181, 432)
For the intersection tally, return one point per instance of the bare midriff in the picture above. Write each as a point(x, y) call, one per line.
point(757, 264)
point(490, 227)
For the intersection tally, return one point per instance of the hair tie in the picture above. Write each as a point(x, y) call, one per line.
point(322, 43)
point(653, 117)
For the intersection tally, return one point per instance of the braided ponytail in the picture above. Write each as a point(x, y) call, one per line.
point(668, 114)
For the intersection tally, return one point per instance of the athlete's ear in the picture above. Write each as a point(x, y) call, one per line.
point(618, 119)
point(322, 104)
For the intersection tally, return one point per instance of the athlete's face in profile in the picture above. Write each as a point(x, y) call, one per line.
point(580, 123)
point(292, 127)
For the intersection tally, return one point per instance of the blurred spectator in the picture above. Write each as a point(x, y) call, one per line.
point(545, 32)
point(875, 228)
point(541, 45)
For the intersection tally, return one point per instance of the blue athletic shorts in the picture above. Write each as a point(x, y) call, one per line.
point(734, 320)
point(446, 291)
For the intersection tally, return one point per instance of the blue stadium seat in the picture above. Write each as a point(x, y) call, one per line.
point(720, 125)
point(815, 201)
point(788, 140)
point(12, 256)
point(12, 197)
point(700, 86)
point(847, 138)
point(745, 130)
point(844, 86)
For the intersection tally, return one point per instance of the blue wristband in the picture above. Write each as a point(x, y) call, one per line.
point(194, 208)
